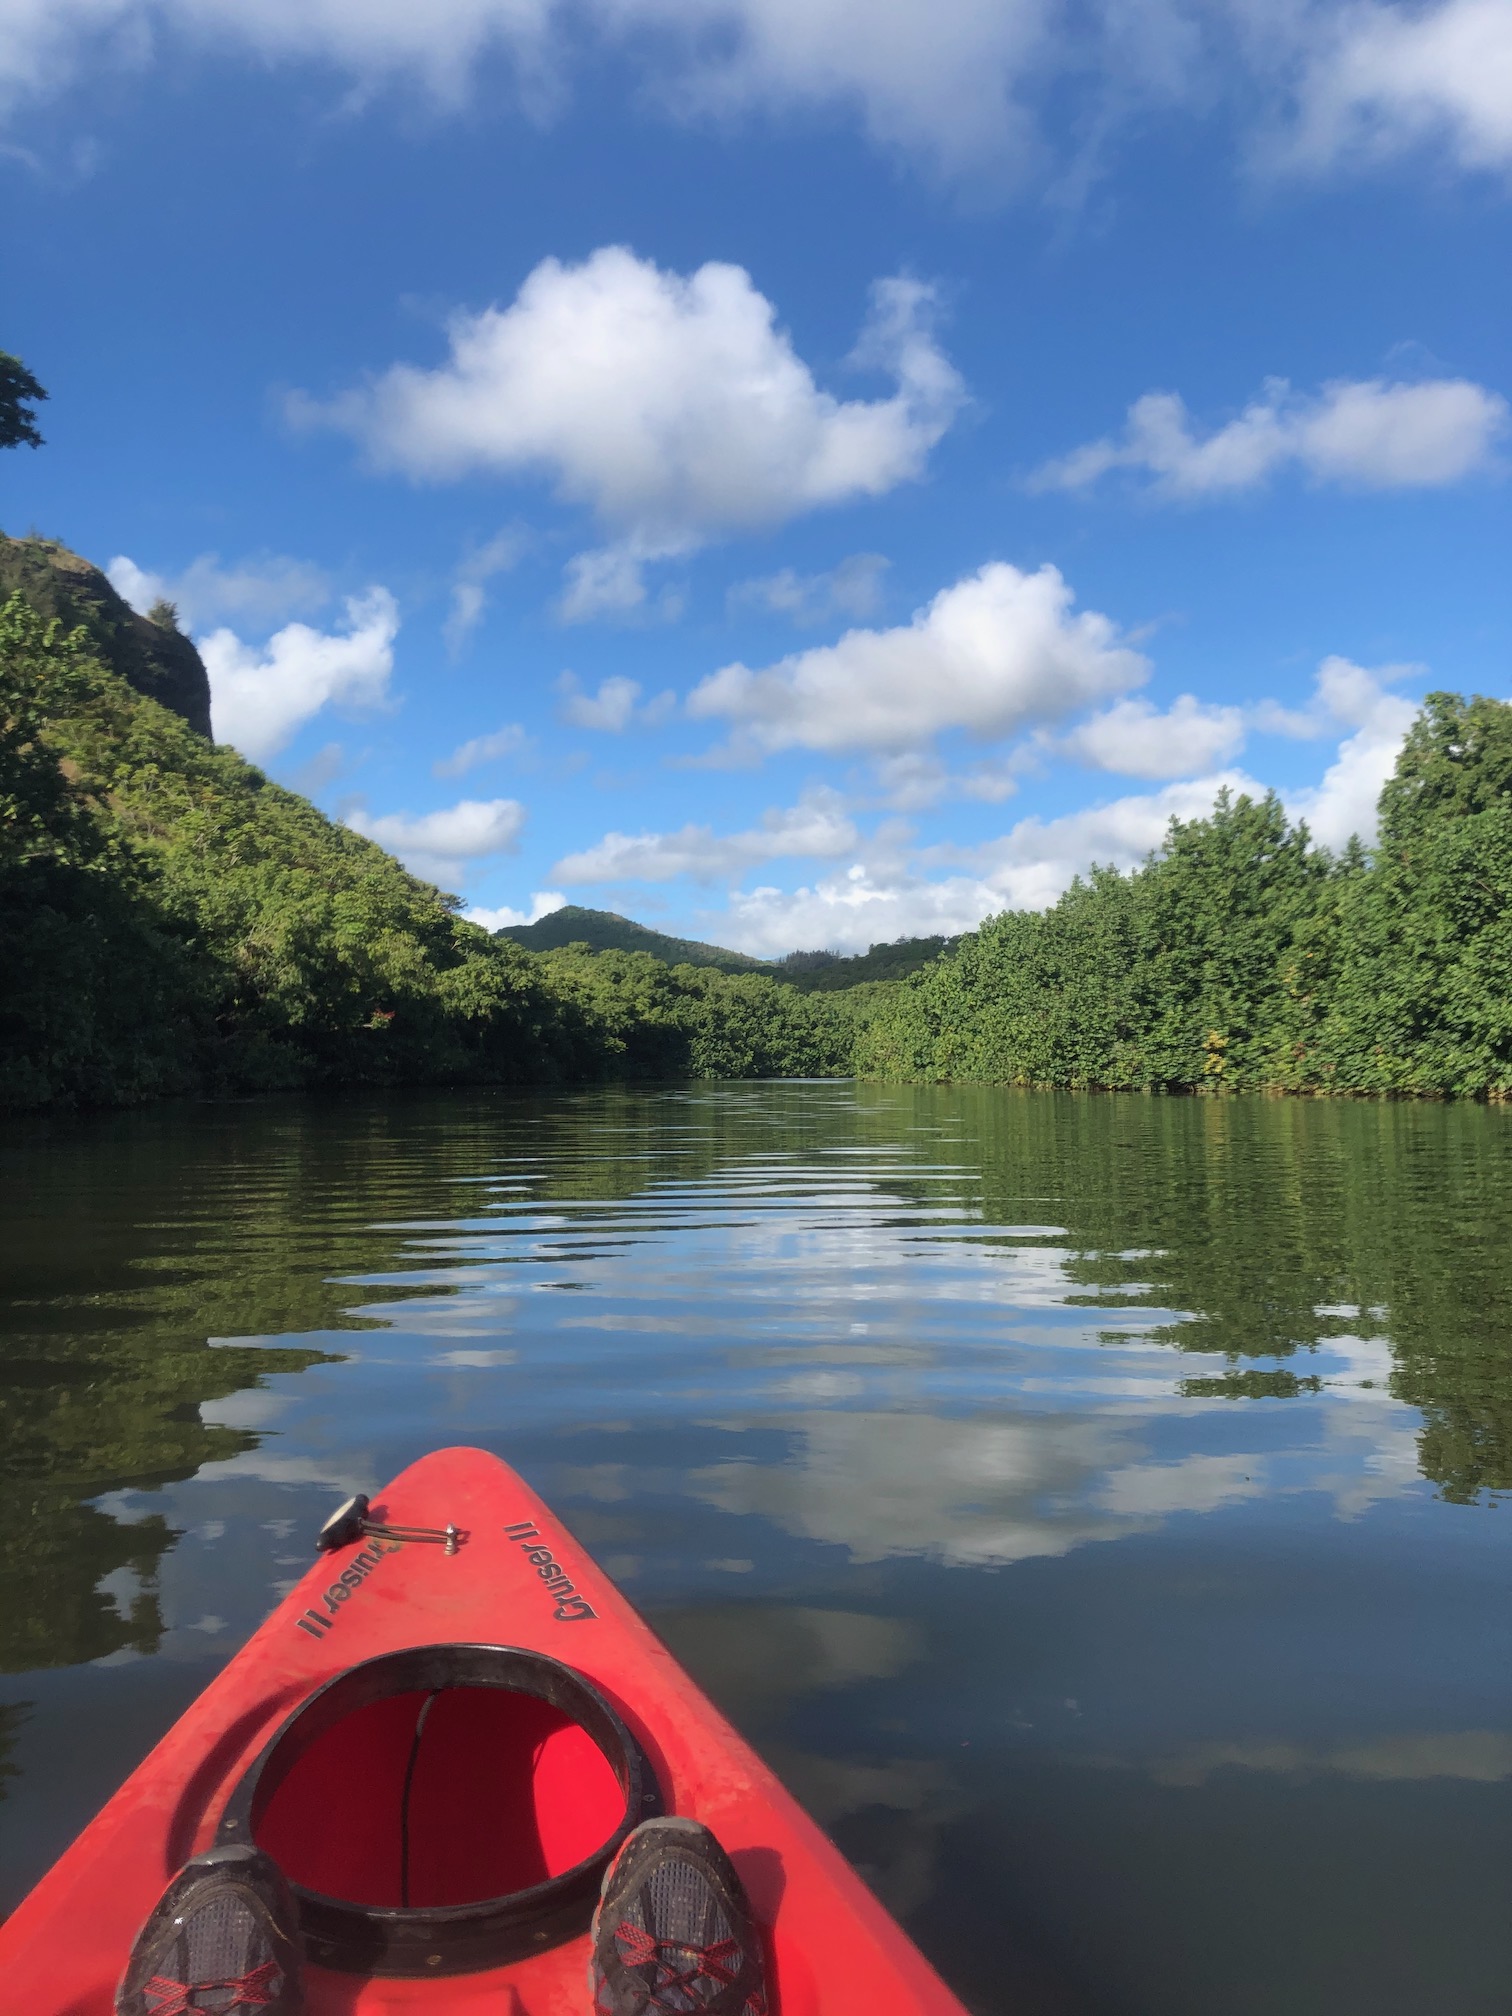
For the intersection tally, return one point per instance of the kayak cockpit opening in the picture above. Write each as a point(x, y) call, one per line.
point(445, 1808)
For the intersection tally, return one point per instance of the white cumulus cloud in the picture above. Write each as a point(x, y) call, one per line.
point(817, 827)
point(671, 406)
point(609, 709)
point(889, 893)
point(1134, 739)
point(260, 590)
point(441, 845)
point(852, 911)
point(917, 779)
point(542, 903)
point(606, 582)
point(914, 780)
point(261, 695)
point(852, 588)
point(883, 896)
point(1350, 696)
point(996, 652)
point(963, 86)
point(1368, 433)
point(510, 740)
point(941, 81)
point(1381, 79)
point(946, 83)
point(613, 708)
point(470, 588)
point(1037, 859)
point(45, 40)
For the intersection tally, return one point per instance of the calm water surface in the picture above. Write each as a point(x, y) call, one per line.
point(1089, 1506)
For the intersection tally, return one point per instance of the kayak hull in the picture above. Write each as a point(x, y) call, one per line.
point(518, 1579)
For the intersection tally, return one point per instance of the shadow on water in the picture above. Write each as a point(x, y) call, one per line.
point(1085, 1503)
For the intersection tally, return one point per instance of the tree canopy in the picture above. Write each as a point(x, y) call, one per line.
point(20, 395)
point(1240, 956)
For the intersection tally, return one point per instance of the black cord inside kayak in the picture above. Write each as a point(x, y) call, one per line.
point(404, 1804)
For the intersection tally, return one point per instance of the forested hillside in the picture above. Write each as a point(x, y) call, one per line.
point(1240, 957)
point(172, 921)
point(809, 972)
point(607, 931)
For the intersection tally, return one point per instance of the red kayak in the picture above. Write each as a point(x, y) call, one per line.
point(442, 1735)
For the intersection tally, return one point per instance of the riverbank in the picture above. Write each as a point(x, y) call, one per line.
point(173, 922)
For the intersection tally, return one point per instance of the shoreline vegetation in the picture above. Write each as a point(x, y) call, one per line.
point(1240, 957)
point(172, 922)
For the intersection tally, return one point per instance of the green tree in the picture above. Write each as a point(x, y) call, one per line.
point(1242, 957)
point(19, 396)
point(1181, 975)
point(42, 674)
point(1456, 760)
point(97, 995)
point(1422, 1001)
point(1220, 914)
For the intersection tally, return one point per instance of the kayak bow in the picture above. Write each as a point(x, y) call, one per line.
point(469, 1790)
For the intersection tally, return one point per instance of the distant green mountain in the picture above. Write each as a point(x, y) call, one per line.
point(607, 931)
point(831, 972)
point(809, 972)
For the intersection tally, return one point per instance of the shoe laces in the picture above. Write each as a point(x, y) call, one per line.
point(253, 1990)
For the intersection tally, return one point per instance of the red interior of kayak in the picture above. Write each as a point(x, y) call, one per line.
point(429, 1799)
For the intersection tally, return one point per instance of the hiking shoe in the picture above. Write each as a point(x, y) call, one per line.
point(222, 1941)
point(673, 1930)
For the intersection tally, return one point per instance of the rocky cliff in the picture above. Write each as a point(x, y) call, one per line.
point(155, 658)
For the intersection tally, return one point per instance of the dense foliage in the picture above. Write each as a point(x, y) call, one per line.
point(832, 972)
point(171, 921)
point(657, 1021)
point(19, 397)
point(1240, 956)
point(150, 652)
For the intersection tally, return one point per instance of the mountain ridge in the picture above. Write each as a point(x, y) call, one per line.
point(810, 972)
point(608, 931)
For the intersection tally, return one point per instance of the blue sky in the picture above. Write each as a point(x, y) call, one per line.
point(794, 473)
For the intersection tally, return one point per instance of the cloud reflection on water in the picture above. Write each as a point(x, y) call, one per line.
point(958, 1442)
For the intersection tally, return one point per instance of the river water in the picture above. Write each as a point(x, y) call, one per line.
point(1087, 1505)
